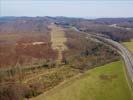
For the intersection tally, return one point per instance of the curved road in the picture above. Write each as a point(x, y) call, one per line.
point(124, 52)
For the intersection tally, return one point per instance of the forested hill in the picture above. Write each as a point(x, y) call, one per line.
point(119, 29)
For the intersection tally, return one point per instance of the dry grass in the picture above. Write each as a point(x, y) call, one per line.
point(58, 39)
point(129, 45)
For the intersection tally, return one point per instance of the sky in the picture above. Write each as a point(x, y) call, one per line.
point(68, 8)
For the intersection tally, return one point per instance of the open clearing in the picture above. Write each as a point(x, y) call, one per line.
point(129, 45)
point(103, 83)
point(58, 39)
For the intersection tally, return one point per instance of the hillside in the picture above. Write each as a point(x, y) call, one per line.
point(104, 83)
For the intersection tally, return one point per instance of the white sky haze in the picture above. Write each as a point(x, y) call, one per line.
point(68, 8)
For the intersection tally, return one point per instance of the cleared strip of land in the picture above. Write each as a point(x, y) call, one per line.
point(58, 39)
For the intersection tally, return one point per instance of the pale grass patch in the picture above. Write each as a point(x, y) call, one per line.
point(129, 45)
point(58, 39)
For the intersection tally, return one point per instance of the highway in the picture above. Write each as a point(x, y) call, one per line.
point(124, 52)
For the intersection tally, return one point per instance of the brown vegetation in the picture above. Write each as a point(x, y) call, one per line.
point(85, 53)
point(26, 51)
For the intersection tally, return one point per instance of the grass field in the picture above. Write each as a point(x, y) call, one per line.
point(103, 83)
point(129, 45)
point(58, 39)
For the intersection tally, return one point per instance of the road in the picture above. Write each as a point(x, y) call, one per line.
point(124, 52)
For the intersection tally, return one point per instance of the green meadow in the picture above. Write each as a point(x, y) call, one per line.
point(106, 82)
point(129, 45)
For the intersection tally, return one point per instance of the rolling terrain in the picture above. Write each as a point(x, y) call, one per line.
point(44, 55)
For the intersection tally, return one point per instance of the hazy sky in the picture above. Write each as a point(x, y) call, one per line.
point(69, 8)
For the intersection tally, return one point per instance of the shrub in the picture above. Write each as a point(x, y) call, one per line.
point(11, 92)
